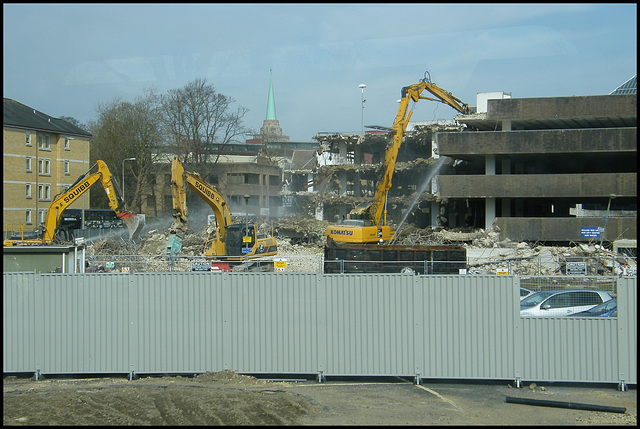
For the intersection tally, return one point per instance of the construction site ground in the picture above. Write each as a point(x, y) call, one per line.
point(227, 398)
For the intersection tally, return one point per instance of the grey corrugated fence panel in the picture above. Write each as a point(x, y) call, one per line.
point(272, 320)
point(628, 329)
point(368, 325)
point(469, 326)
point(84, 325)
point(177, 322)
point(570, 349)
point(19, 293)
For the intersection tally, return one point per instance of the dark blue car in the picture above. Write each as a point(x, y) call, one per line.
point(606, 309)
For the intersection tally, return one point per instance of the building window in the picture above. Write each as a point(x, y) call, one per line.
point(44, 142)
point(41, 217)
point(44, 192)
point(44, 166)
point(28, 138)
point(28, 194)
point(28, 164)
point(66, 143)
point(66, 168)
point(28, 218)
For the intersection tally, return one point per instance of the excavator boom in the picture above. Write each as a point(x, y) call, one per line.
point(375, 212)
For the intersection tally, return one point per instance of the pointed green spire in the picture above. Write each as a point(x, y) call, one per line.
point(271, 103)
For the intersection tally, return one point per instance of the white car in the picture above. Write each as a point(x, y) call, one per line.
point(561, 303)
point(524, 292)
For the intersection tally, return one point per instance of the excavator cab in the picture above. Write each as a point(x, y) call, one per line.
point(237, 238)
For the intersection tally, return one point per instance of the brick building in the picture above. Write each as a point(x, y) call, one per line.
point(42, 156)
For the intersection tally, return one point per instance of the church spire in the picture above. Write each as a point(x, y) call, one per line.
point(271, 103)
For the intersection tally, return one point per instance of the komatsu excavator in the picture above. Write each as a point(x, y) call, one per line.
point(357, 240)
point(231, 242)
point(52, 233)
point(368, 223)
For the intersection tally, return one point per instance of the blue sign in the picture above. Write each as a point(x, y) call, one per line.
point(590, 232)
point(246, 250)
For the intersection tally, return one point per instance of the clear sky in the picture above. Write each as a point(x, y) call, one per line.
point(66, 59)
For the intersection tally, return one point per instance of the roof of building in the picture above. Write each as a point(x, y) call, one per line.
point(18, 115)
point(629, 87)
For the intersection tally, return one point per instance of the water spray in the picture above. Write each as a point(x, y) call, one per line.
point(431, 175)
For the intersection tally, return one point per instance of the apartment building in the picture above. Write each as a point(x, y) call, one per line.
point(42, 156)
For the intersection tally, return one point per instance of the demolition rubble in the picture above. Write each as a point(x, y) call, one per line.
point(301, 243)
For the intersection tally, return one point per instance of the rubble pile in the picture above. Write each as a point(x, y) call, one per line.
point(301, 230)
point(301, 242)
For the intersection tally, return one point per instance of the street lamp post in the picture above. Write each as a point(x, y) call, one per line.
point(245, 241)
point(606, 219)
point(126, 159)
point(362, 86)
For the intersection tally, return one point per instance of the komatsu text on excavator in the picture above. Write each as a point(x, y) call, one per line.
point(231, 243)
point(368, 222)
point(52, 233)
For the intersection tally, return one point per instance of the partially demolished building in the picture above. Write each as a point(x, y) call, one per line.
point(560, 169)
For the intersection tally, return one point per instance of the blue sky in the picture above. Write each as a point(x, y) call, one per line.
point(66, 59)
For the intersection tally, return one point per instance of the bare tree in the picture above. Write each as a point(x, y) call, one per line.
point(129, 130)
point(199, 122)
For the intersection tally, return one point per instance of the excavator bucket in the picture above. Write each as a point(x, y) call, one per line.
point(134, 224)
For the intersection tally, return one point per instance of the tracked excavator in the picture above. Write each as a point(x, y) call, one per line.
point(367, 231)
point(231, 242)
point(53, 234)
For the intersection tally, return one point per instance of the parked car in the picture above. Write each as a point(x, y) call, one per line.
point(560, 303)
point(524, 292)
point(606, 309)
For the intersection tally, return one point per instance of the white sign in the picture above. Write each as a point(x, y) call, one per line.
point(502, 271)
point(577, 268)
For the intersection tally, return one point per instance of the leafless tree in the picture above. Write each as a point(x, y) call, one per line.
point(128, 130)
point(200, 122)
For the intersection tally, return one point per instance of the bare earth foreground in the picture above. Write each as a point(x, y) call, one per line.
point(227, 398)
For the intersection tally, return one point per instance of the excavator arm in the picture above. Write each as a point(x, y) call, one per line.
point(180, 179)
point(63, 200)
point(377, 208)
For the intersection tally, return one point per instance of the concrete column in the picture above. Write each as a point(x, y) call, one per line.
point(506, 202)
point(357, 188)
point(490, 165)
point(490, 202)
point(489, 212)
point(506, 125)
point(342, 151)
point(343, 183)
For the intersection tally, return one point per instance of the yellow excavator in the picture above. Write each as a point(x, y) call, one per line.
point(51, 233)
point(361, 244)
point(231, 243)
point(368, 221)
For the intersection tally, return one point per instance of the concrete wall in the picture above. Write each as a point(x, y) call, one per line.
point(538, 185)
point(563, 229)
point(564, 107)
point(539, 142)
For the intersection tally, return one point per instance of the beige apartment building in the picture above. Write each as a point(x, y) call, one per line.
point(42, 156)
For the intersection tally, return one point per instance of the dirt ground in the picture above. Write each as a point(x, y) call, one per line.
point(227, 398)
